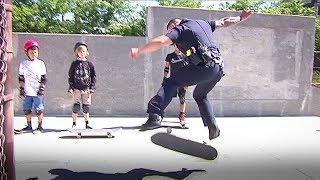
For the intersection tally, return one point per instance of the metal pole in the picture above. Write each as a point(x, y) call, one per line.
point(9, 105)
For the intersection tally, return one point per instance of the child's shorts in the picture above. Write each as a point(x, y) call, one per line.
point(33, 102)
point(80, 96)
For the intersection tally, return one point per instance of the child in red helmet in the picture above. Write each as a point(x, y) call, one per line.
point(82, 80)
point(32, 81)
point(175, 61)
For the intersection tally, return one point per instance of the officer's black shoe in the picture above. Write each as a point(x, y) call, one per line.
point(214, 131)
point(153, 122)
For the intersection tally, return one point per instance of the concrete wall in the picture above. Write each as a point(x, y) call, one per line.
point(120, 81)
point(268, 66)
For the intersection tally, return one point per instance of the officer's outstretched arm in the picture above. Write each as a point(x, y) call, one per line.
point(155, 44)
point(228, 21)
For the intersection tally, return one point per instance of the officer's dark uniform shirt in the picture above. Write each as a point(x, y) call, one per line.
point(82, 75)
point(176, 62)
point(185, 34)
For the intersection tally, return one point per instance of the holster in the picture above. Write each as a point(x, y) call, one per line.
point(203, 55)
point(210, 55)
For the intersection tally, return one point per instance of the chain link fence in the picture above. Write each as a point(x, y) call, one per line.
point(3, 74)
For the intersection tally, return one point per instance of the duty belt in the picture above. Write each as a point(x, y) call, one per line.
point(208, 56)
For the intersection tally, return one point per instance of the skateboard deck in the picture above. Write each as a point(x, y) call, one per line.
point(93, 133)
point(184, 146)
point(18, 131)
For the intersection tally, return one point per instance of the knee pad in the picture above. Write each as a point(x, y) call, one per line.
point(182, 95)
point(76, 107)
point(39, 112)
point(85, 108)
point(27, 111)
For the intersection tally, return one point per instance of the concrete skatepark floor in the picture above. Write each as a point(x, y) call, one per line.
point(278, 148)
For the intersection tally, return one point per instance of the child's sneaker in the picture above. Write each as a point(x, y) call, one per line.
point(182, 119)
point(39, 129)
point(88, 127)
point(26, 129)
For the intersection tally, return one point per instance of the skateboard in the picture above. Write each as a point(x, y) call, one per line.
point(185, 146)
point(18, 131)
point(93, 133)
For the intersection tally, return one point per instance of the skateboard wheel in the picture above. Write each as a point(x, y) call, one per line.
point(169, 130)
point(79, 135)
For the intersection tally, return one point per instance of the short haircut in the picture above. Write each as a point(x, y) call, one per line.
point(173, 21)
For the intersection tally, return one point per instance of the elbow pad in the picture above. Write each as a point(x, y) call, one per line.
point(166, 69)
point(43, 79)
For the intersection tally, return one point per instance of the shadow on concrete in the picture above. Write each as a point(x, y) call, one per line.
point(173, 122)
point(18, 131)
point(126, 127)
point(184, 146)
point(135, 174)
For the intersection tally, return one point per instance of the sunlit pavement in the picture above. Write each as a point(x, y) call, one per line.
point(258, 148)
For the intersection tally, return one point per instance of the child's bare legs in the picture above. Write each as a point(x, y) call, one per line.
point(39, 107)
point(182, 107)
point(182, 113)
point(74, 119)
point(40, 117)
point(86, 119)
point(28, 117)
point(27, 106)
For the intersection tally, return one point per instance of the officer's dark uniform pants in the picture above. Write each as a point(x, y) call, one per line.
point(205, 78)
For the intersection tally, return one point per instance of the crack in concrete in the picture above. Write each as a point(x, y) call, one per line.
point(307, 175)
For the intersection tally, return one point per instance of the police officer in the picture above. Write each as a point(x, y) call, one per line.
point(195, 39)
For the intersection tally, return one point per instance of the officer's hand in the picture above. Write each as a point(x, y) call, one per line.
point(246, 14)
point(134, 53)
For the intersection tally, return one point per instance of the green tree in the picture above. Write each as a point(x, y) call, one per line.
point(132, 24)
point(40, 16)
point(243, 4)
point(180, 3)
point(97, 17)
point(296, 8)
point(317, 35)
point(85, 16)
point(290, 8)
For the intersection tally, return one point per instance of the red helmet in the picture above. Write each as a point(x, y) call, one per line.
point(30, 43)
